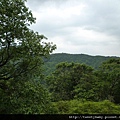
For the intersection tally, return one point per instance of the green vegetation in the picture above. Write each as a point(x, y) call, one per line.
point(79, 81)
point(54, 59)
point(86, 107)
point(25, 98)
point(34, 82)
point(21, 58)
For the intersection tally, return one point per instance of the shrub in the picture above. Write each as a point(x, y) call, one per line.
point(86, 107)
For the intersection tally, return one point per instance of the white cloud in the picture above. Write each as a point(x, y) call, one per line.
point(79, 26)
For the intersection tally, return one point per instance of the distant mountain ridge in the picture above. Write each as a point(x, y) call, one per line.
point(93, 61)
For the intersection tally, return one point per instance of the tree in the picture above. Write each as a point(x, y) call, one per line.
point(28, 97)
point(21, 49)
point(65, 82)
point(21, 58)
point(109, 78)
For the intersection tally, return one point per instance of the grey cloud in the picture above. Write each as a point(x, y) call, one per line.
point(104, 15)
point(35, 4)
point(101, 16)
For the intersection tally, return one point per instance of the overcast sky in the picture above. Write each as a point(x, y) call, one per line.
point(79, 26)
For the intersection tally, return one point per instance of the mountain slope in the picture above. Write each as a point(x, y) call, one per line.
point(93, 61)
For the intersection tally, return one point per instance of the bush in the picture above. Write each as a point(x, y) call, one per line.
point(86, 107)
point(26, 98)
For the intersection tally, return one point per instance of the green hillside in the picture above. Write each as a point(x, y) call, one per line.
point(93, 61)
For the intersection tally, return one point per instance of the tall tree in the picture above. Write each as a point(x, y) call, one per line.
point(109, 78)
point(21, 49)
point(65, 81)
point(21, 54)
point(28, 97)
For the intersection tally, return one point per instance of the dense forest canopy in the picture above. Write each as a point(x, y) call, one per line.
point(34, 81)
point(93, 61)
point(79, 81)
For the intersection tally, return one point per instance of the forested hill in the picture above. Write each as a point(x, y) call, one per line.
point(94, 61)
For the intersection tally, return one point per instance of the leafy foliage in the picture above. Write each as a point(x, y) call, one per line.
point(21, 59)
point(109, 78)
point(22, 84)
point(54, 59)
point(86, 107)
point(25, 98)
point(21, 49)
point(67, 76)
point(79, 81)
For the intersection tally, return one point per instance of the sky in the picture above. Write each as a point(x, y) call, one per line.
point(79, 26)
